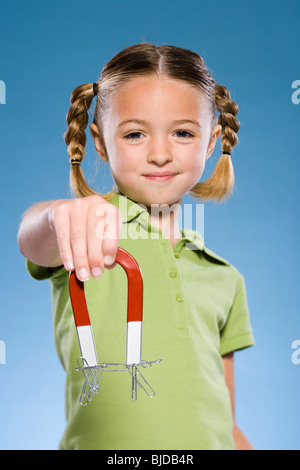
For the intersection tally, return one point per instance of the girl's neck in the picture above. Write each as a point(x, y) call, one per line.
point(165, 218)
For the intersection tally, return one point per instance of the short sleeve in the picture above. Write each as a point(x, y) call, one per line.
point(42, 272)
point(237, 332)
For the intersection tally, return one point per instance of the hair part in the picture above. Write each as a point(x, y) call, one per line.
point(172, 62)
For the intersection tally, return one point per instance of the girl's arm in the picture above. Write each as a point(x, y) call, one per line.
point(37, 242)
point(240, 440)
point(81, 234)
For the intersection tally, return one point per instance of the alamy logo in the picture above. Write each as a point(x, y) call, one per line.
point(2, 352)
point(2, 92)
point(188, 216)
point(296, 94)
point(296, 354)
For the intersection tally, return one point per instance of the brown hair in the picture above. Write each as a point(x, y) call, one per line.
point(172, 62)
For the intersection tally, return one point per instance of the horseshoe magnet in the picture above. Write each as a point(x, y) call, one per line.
point(88, 362)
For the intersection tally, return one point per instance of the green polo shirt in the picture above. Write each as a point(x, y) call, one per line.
point(194, 311)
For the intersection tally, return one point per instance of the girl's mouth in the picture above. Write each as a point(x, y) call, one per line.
point(160, 176)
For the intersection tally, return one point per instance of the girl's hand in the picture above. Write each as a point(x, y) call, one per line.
point(87, 230)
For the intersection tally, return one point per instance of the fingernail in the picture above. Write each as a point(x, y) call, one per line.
point(108, 260)
point(69, 265)
point(83, 274)
point(97, 272)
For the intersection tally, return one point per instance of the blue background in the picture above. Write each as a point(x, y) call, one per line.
point(252, 47)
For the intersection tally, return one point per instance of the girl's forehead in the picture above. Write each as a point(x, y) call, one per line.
point(154, 82)
point(154, 93)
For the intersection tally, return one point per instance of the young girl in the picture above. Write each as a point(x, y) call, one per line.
point(154, 123)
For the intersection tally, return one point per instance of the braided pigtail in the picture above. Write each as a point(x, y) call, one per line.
point(75, 137)
point(220, 184)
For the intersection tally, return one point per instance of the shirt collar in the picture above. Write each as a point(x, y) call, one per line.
point(128, 208)
point(194, 239)
point(131, 210)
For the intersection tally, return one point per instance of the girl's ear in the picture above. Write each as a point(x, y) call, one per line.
point(216, 131)
point(99, 142)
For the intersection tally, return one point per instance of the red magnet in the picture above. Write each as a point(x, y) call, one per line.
point(88, 362)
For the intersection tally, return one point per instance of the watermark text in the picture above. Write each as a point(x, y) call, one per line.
point(2, 352)
point(2, 92)
point(158, 460)
point(296, 353)
point(296, 94)
point(155, 222)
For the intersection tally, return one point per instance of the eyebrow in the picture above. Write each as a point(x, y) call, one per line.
point(187, 121)
point(177, 121)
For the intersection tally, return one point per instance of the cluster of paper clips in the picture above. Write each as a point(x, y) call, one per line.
point(92, 376)
point(88, 363)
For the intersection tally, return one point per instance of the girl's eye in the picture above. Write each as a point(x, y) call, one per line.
point(136, 135)
point(184, 134)
point(133, 136)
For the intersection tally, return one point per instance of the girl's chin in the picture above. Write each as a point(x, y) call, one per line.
point(158, 202)
point(154, 197)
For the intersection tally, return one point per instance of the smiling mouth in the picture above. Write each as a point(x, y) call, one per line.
point(160, 176)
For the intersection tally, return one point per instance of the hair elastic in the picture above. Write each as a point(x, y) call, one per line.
point(94, 88)
point(75, 161)
point(226, 153)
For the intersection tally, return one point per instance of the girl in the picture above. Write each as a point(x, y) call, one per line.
point(154, 123)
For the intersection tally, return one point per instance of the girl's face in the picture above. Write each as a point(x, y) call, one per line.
point(157, 133)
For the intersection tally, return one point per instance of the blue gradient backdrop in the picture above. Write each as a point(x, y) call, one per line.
point(252, 47)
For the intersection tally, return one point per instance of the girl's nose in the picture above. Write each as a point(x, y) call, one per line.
point(159, 151)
